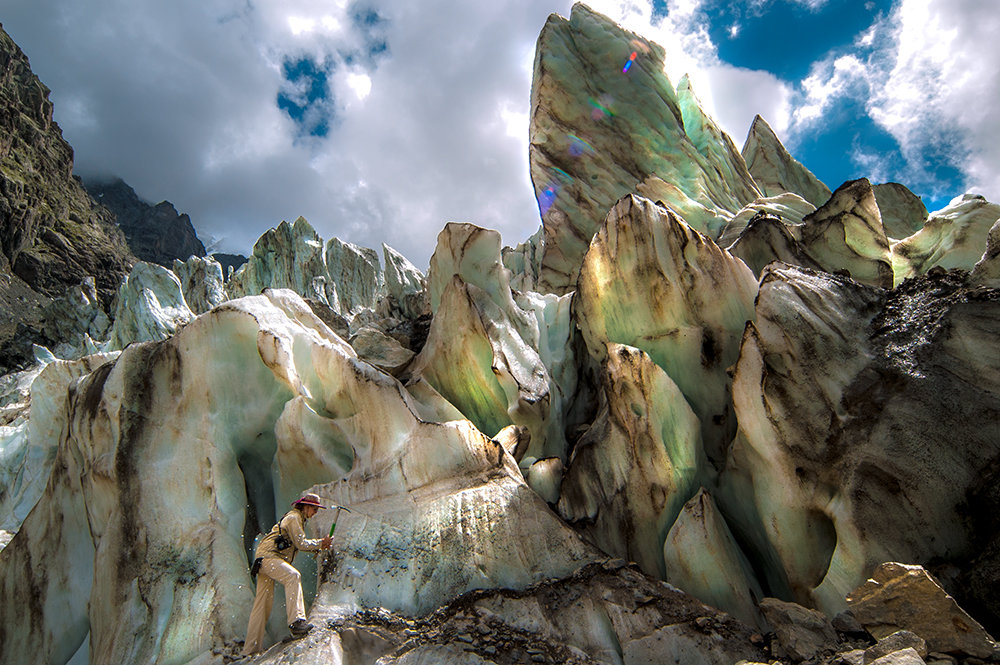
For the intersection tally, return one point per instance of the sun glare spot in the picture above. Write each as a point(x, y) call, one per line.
point(361, 84)
point(305, 25)
point(300, 25)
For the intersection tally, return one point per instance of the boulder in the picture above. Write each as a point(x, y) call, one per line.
point(374, 346)
point(801, 633)
point(897, 641)
point(775, 171)
point(902, 657)
point(852, 657)
point(905, 597)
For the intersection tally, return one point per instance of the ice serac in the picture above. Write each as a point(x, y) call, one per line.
point(987, 271)
point(405, 286)
point(637, 465)
point(903, 213)
point(846, 234)
point(702, 558)
point(598, 129)
point(530, 337)
point(202, 282)
point(652, 282)
point(29, 446)
point(524, 262)
point(151, 306)
point(289, 256)
point(74, 322)
point(953, 237)
point(355, 273)
point(716, 147)
point(820, 479)
point(767, 238)
point(775, 171)
point(158, 457)
point(790, 208)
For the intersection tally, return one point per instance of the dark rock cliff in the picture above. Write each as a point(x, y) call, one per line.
point(158, 234)
point(52, 235)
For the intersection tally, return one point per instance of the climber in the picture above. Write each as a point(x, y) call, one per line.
point(272, 563)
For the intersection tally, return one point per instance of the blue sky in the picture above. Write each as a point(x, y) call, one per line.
point(381, 120)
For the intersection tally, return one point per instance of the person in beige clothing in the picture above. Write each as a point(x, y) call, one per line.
point(273, 563)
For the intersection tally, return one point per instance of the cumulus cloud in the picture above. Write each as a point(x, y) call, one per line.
point(377, 121)
point(938, 96)
point(924, 73)
point(381, 120)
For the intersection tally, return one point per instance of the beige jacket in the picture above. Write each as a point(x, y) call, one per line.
point(292, 527)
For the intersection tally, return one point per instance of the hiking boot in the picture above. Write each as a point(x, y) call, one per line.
point(300, 627)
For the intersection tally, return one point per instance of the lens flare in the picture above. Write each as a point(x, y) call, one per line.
point(578, 147)
point(600, 108)
point(631, 59)
point(551, 190)
point(547, 197)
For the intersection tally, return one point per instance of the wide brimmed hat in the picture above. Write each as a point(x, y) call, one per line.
point(309, 499)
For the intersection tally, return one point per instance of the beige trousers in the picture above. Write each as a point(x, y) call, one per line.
point(273, 570)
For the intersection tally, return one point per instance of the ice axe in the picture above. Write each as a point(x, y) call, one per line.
point(339, 508)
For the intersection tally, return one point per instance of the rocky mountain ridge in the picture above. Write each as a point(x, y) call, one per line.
point(52, 236)
point(732, 426)
point(157, 234)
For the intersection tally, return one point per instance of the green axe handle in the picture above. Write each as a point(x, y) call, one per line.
point(334, 525)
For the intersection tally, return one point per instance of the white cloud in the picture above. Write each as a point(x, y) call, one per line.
point(361, 84)
point(430, 104)
point(925, 74)
point(942, 82)
point(827, 83)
